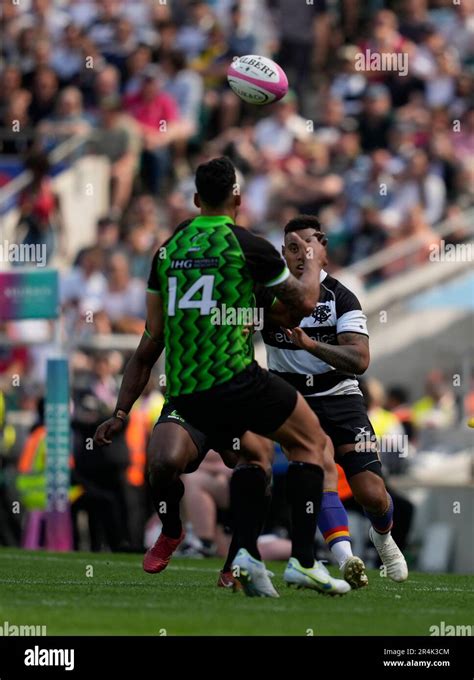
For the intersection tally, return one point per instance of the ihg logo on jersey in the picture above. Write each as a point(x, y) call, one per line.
point(250, 317)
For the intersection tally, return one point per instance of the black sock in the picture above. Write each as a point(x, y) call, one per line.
point(304, 484)
point(234, 544)
point(231, 553)
point(166, 502)
point(248, 502)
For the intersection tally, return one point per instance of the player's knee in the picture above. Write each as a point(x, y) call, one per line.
point(372, 496)
point(166, 466)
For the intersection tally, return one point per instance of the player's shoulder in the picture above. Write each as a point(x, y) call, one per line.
point(242, 233)
point(182, 225)
point(344, 298)
point(245, 233)
point(250, 242)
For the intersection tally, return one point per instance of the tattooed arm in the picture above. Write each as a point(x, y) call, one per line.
point(350, 355)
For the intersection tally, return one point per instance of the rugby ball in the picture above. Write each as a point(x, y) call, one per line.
point(257, 80)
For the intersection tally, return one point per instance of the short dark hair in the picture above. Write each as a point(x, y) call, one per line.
point(303, 222)
point(215, 180)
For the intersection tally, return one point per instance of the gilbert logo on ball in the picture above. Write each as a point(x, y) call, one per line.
point(257, 80)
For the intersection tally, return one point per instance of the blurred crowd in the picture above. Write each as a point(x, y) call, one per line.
point(379, 155)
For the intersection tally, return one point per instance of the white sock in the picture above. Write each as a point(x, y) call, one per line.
point(381, 538)
point(341, 550)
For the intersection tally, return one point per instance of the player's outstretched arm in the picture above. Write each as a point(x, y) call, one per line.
point(137, 372)
point(351, 355)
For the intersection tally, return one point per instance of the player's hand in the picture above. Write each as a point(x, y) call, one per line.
point(108, 429)
point(299, 338)
point(315, 250)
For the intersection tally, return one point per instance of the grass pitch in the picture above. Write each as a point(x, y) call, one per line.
point(104, 594)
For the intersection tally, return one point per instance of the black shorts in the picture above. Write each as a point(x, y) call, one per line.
point(343, 418)
point(169, 414)
point(253, 400)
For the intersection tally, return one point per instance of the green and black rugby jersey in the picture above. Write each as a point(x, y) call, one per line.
point(206, 274)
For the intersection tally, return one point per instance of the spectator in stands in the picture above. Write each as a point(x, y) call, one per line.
point(103, 28)
point(45, 16)
point(394, 450)
point(303, 38)
point(388, 428)
point(275, 135)
point(185, 86)
point(349, 84)
point(17, 133)
point(398, 402)
point(41, 58)
point(141, 244)
point(93, 63)
point(124, 42)
point(106, 88)
point(82, 290)
point(375, 118)
point(102, 472)
point(10, 84)
point(45, 92)
point(108, 234)
point(206, 491)
point(67, 55)
point(158, 116)
point(68, 120)
point(437, 409)
point(13, 367)
point(40, 210)
point(418, 186)
point(122, 305)
point(136, 64)
point(118, 138)
point(10, 529)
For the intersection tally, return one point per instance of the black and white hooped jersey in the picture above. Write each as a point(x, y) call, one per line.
point(338, 311)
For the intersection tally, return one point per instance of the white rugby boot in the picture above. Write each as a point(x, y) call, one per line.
point(316, 577)
point(390, 554)
point(253, 575)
